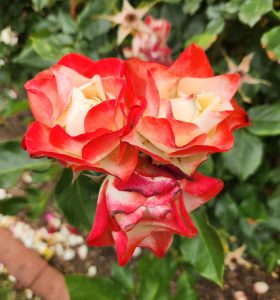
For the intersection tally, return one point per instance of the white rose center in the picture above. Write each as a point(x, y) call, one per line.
point(82, 100)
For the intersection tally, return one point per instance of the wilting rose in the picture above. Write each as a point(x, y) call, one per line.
point(190, 112)
point(82, 108)
point(148, 209)
point(151, 44)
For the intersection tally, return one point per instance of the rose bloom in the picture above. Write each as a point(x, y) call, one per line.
point(82, 109)
point(148, 209)
point(151, 44)
point(190, 112)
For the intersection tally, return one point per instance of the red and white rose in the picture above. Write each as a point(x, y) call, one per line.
point(190, 112)
point(82, 109)
point(148, 209)
point(104, 115)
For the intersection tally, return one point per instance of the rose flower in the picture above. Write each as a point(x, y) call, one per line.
point(82, 108)
point(190, 112)
point(151, 44)
point(148, 209)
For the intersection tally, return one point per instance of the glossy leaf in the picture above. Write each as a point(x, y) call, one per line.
point(123, 276)
point(207, 167)
point(81, 287)
point(14, 160)
point(271, 43)
point(12, 206)
point(252, 10)
point(226, 211)
point(39, 5)
point(246, 155)
point(185, 288)
point(155, 276)
point(77, 200)
point(204, 40)
point(215, 26)
point(205, 252)
point(191, 6)
point(265, 119)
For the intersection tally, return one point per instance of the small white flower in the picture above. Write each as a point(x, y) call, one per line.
point(92, 271)
point(2, 268)
point(8, 37)
point(12, 278)
point(28, 294)
point(42, 233)
point(41, 247)
point(82, 252)
point(69, 254)
point(59, 250)
point(239, 295)
point(137, 252)
point(3, 194)
point(26, 177)
point(2, 62)
point(75, 240)
point(260, 287)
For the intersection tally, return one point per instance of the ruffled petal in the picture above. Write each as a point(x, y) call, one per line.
point(101, 116)
point(193, 62)
point(200, 190)
point(101, 232)
point(78, 62)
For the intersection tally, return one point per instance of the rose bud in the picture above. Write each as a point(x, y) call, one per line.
point(151, 45)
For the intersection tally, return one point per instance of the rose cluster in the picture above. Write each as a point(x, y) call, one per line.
point(148, 126)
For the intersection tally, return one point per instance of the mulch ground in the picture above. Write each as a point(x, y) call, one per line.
point(241, 279)
point(46, 280)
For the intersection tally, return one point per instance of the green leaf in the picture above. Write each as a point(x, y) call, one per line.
point(271, 43)
point(204, 40)
point(265, 119)
point(252, 10)
point(67, 23)
point(205, 252)
point(77, 200)
point(84, 288)
point(51, 48)
point(12, 206)
point(15, 107)
point(253, 208)
point(215, 26)
point(185, 288)
point(226, 211)
point(244, 159)
point(37, 202)
point(14, 160)
point(95, 28)
point(123, 276)
point(207, 167)
point(29, 57)
point(274, 210)
point(156, 277)
point(39, 5)
point(191, 6)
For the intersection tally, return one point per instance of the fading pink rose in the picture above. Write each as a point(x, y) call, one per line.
point(148, 209)
point(151, 44)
